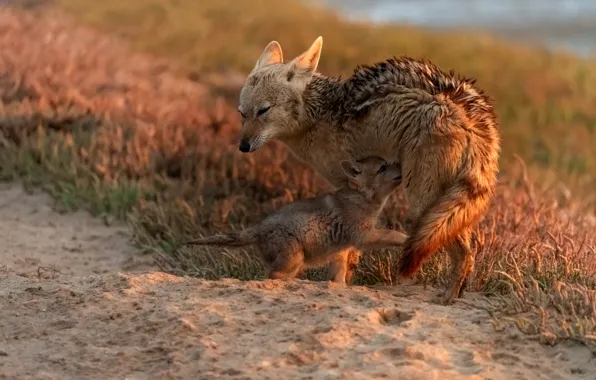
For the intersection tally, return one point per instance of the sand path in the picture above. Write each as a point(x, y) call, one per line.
point(89, 313)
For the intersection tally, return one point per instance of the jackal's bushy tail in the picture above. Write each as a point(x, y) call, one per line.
point(228, 239)
point(457, 208)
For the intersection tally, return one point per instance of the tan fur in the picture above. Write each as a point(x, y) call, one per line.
point(440, 127)
point(311, 232)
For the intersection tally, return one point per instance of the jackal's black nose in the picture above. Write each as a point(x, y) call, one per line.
point(244, 146)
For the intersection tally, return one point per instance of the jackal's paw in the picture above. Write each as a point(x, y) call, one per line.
point(336, 284)
point(443, 298)
point(438, 298)
point(338, 279)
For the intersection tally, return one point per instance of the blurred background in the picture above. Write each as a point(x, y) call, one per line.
point(559, 24)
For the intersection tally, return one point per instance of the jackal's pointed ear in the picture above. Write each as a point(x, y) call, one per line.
point(272, 54)
point(306, 63)
point(352, 169)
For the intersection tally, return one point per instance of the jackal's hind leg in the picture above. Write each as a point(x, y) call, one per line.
point(462, 265)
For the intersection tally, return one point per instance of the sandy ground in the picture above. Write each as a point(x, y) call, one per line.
point(85, 315)
point(36, 241)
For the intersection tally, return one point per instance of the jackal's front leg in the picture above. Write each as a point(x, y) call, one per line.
point(382, 238)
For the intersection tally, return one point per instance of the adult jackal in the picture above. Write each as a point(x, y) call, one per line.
point(438, 126)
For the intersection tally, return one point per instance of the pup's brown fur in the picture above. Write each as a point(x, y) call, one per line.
point(440, 127)
point(311, 232)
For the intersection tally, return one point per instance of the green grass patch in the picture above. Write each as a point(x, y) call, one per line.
point(45, 151)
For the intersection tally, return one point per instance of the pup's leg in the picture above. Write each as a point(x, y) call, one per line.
point(338, 267)
point(342, 266)
point(382, 238)
point(287, 265)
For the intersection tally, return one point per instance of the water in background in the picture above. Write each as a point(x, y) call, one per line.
point(567, 24)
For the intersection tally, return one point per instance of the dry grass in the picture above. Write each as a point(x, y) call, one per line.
point(118, 133)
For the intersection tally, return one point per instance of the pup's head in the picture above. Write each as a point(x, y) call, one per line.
point(372, 176)
point(271, 98)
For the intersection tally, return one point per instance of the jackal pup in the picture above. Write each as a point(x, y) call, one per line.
point(310, 232)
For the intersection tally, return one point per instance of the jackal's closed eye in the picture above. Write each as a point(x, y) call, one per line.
point(242, 115)
point(263, 110)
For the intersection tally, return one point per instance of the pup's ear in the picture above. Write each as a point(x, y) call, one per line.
point(272, 54)
point(352, 169)
point(304, 66)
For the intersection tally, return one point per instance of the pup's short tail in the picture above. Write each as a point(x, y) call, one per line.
point(228, 239)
